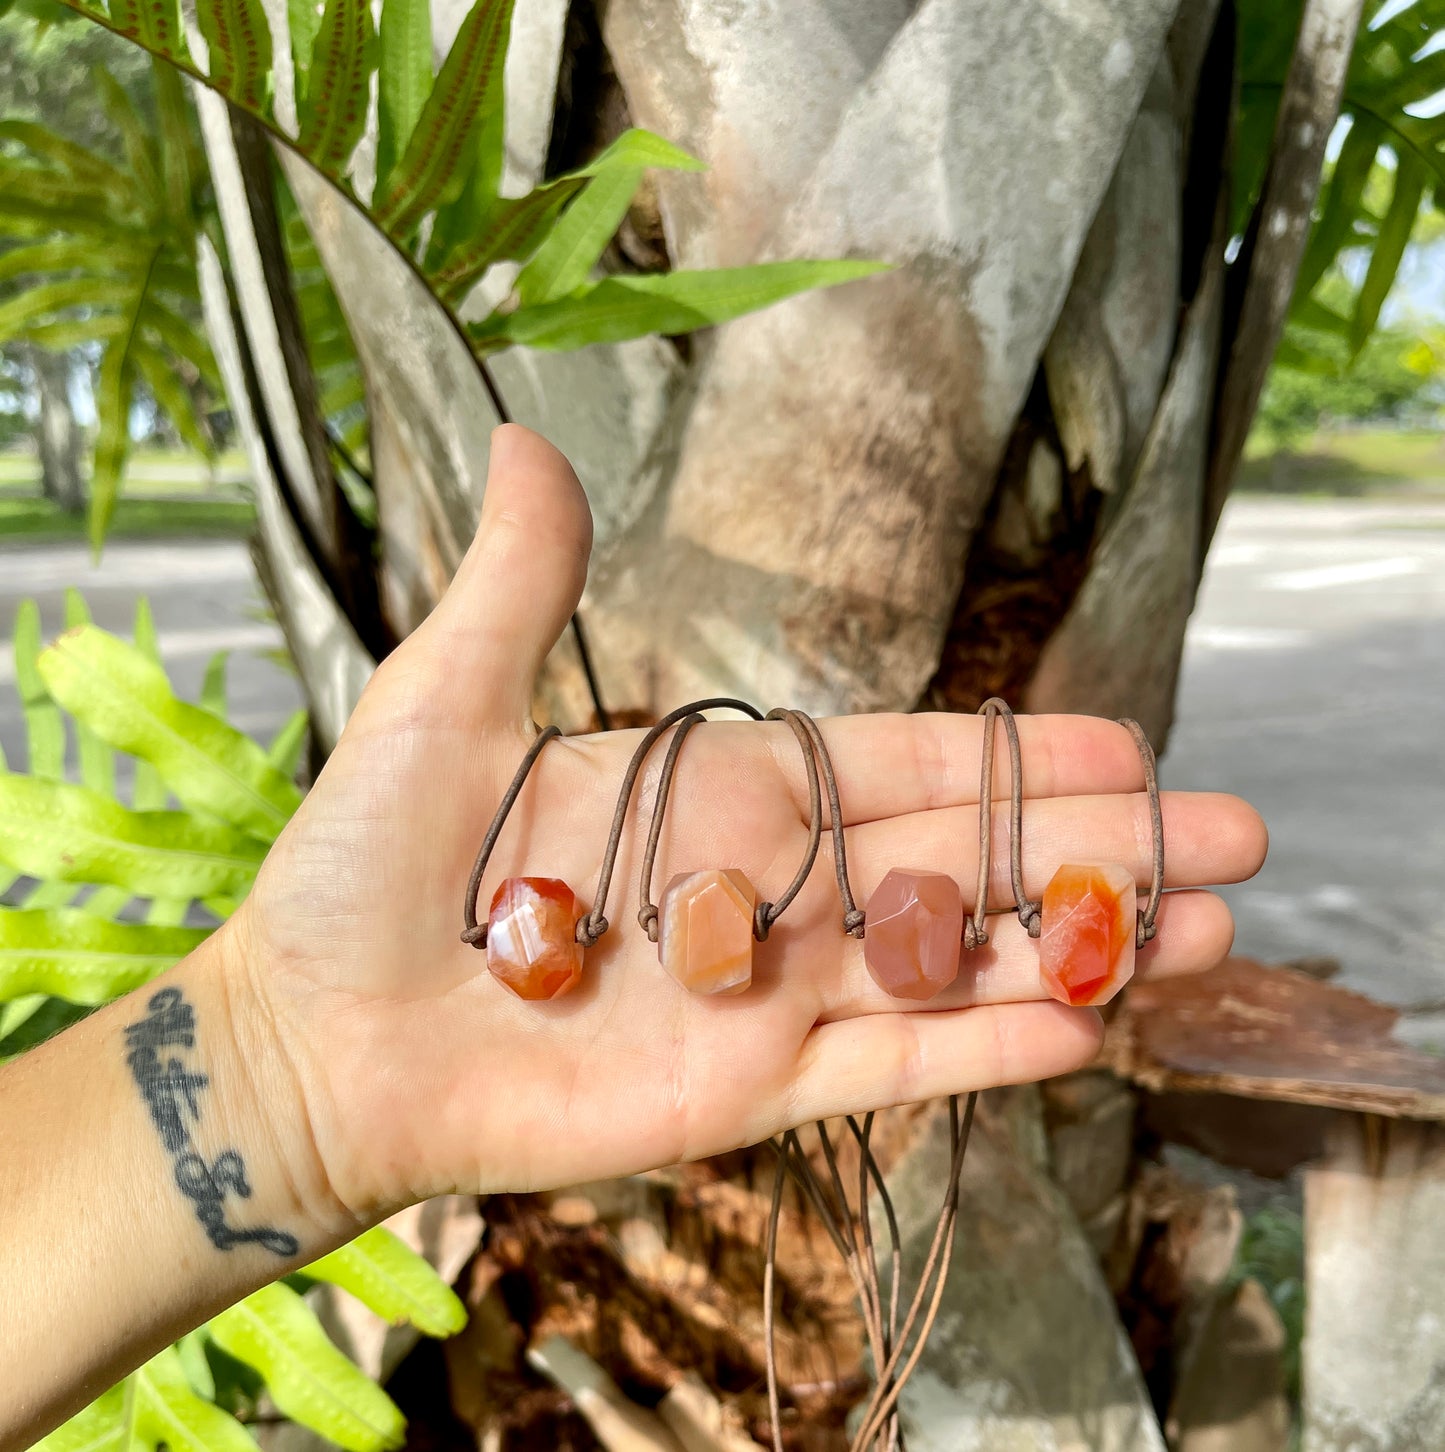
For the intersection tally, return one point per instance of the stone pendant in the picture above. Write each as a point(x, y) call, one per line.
point(532, 945)
point(705, 937)
point(914, 937)
point(1086, 947)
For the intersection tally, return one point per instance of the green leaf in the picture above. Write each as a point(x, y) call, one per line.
point(167, 1412)
point(73, 955)
point(140, 150)
point(619, 308)
point(213, 686)
point(126, 700)
point(1342, 202)
point(572, 248)
point(149, 793)
point(97, 760)
point(45, 731)
point(155, 24)
point(285, 750)
point(1411, 178)
point(390, 1278)
point(102, 1427)
point(308, 1378)
point(172, 397)
point(87, 168)
point(404, 77)
point(67, 253)
point(239, 37)
point(112, 440)
point(39, 302)
point(63, 833)
point(175, 144)
point(303, 22)
point(458, 134)
point(338, 81)
point(566, 259)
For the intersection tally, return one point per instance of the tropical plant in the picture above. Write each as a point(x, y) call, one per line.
point(1389, 167)
point(86, 856)
point(106, 250)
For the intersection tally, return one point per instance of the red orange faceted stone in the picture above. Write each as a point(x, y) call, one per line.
point(532, 945)
point(706, 935)
point(1086, 947)
point(915, 933)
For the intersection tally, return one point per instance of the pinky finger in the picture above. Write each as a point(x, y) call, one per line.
point(877, 1061)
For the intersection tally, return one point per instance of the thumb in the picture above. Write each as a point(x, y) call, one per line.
point(517, 585)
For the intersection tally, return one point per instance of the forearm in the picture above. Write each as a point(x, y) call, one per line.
point(155, 1166)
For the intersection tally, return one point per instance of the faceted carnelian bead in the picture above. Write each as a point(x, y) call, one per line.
point(706, 936)
point(915, 933)
point(532, 944)
point(1086, 948)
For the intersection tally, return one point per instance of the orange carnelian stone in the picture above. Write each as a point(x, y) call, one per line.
point(1086, 948)
point(706, 937)
point(532, 945)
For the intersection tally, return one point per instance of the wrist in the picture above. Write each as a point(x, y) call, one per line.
point(260, 1108)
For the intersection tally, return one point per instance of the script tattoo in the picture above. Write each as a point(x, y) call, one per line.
point(172, 1094)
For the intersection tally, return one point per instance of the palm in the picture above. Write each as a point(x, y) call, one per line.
point(423, 1074)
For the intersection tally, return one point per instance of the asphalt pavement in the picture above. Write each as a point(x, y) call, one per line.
point(1313, 684)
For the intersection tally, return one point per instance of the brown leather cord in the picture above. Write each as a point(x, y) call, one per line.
point(766, 913)
point(474, 932)
point(595, 924)
point(1145, 929)
point(975, 935)
point(854, 918)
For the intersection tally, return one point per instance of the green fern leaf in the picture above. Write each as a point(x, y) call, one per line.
point(70, 954)
point(333, 111)
point(391, 1279)
point(65, 833)
point(620, 308)
point(44, 730)
point(149, 792)
point(239, 37)
point(126, 700)
point(404, 76)
point(1411, 178)
point(308, 1378)
point(97, 760)
point(155, 24)
point(284, 752)
point(458, 135)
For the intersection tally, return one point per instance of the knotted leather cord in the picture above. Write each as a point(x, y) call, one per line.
point(474, 932)
point(595, 924)
point(854, 918)
point(766, 913)
point(1145, 928)
point(975, 935)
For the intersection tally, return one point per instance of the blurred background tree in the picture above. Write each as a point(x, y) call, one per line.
point(982, 472)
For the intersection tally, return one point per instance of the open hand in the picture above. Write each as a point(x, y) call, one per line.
point(419, 1073)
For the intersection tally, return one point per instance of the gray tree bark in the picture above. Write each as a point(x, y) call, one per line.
point(59, 439)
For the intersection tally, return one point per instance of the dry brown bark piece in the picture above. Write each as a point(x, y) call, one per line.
point(1261, 1032)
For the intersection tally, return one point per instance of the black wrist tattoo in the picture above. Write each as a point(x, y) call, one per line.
point(171, 1092)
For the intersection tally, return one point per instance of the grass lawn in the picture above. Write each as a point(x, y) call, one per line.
point(1382, 463)
point(39, 520)
point(147, 471)
point(164, 494)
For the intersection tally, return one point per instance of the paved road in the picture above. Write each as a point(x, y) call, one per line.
point(204, 598)
point(1314, 684)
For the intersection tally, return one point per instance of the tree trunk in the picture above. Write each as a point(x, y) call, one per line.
point(993, 470)
point(59, 440)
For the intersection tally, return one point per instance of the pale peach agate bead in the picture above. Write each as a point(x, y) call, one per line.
point(914, 936)
point(705, 937)
point(1086, 946)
